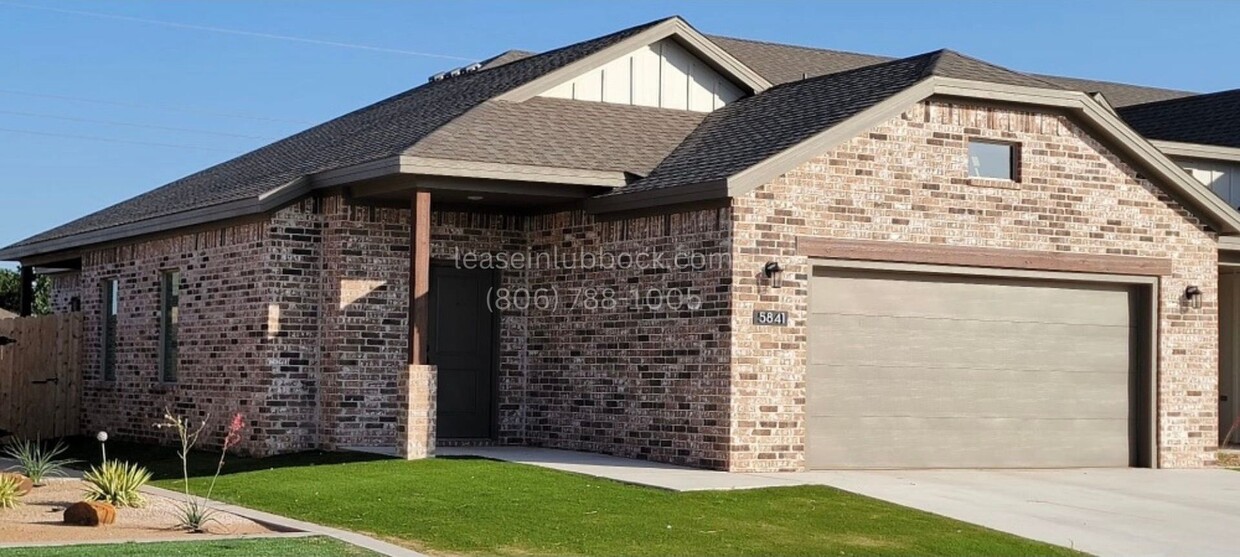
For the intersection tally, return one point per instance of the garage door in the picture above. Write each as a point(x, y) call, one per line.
point(924, 371)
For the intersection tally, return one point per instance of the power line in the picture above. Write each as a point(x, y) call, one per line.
point(238, 32)
point(131, 124)
point(112, 140)
point(190, 110)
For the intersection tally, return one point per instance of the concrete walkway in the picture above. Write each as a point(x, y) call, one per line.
point(1128, 512)
point(637, 472)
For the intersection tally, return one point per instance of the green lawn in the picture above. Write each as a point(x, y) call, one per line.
point(482, 507)
point(266, 547)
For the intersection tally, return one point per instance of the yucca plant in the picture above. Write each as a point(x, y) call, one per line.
point(10, 492)
point(37, 461)
point(116, 483)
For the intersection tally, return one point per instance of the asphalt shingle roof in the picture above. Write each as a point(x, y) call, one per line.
point(458, 119)
point(383, 129)
point(782, 63)
point(1211, 119)
point(747, 132)
point(563, 133)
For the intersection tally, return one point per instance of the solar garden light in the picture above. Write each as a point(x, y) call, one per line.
point(102, 437)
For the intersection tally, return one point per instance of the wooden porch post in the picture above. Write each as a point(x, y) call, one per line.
point(26, 291)
point(419, 276)
point(416, 430)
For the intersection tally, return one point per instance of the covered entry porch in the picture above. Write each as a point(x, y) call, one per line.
point(449, 389)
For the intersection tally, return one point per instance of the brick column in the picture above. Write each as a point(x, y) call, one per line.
point(415, 428)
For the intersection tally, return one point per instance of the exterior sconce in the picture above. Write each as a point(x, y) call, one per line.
point(1192, 295)
point(773, 273)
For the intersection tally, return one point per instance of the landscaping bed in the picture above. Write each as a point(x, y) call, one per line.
point(39, 519)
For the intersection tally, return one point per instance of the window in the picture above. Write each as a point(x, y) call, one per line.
point(992, 160)
point(169, 317)
point(110, 295)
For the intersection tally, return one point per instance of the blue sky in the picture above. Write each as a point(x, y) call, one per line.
point(247, 90)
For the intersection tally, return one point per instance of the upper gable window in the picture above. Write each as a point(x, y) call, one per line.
point(662, 74)
point(988, 159)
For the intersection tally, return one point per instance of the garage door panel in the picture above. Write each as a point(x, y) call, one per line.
point(953, 443)
point(947, 297)
point(907, 370)
point(842, 391)
point(857, 339)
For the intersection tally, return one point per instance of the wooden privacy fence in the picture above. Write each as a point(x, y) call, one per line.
point(41, 375)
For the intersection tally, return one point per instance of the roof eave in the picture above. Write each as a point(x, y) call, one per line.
point(1197, 150)
point(205, 215)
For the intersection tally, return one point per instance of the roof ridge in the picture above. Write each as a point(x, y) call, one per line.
point(947, 51)
point(802, 47)
point(1195, 96)
point(844, 73)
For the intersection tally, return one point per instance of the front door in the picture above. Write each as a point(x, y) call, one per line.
point(461, 345)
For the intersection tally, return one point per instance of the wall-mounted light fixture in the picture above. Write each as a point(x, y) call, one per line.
point(773, 273)
point(1192, 295)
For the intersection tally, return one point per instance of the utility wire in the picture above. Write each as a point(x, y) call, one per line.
point(190, 110)
point(112, 140)
point(131, 124)
point(237, 32)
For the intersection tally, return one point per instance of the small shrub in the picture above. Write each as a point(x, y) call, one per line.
point(10, 492)
point(38, 462)
point(116, 483)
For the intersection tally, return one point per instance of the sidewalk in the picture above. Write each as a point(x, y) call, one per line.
point(627, 470)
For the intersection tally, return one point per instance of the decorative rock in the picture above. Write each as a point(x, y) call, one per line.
point(90, 513)
point(24, 485)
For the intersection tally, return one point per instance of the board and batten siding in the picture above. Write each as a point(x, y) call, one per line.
point(1222, 177)
point(662, 74)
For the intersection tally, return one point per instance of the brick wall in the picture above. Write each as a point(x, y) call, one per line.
point(636, 380)
point(222, 351)
point(906, 180)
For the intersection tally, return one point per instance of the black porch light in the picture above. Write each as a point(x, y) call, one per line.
point(1192, 295)
point(774, 273)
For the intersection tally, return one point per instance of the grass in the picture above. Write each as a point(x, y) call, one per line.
point(482, 507)
point(265, 547)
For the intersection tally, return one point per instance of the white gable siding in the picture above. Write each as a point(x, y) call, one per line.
point(1222, 177)
point(662, 74)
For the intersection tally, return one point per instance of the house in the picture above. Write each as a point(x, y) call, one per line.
point(6, 314)
point(692, 249)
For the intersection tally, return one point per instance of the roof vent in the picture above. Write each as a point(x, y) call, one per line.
point(456, 72)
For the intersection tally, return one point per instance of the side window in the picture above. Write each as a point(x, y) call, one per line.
point(169, 317)
point(996, 161)
point(110, 295)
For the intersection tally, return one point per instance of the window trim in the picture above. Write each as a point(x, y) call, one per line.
point(109, 308)
point(1014, 148)
point(165, 325)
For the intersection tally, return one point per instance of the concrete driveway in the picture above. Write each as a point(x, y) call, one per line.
point(1107, 512)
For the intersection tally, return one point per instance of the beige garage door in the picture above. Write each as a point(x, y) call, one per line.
point(922, 371)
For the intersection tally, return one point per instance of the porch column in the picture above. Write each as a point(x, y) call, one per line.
point(416, 430)
point(26, 291)
point(419, 275)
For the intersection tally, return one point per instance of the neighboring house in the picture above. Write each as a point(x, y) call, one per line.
point(6, 314)
point(979, 267)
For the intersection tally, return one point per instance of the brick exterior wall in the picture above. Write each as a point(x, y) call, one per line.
point(300, 320)
point(906, 180)
point(223, 357)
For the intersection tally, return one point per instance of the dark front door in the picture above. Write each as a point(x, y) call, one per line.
point(461, 344)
